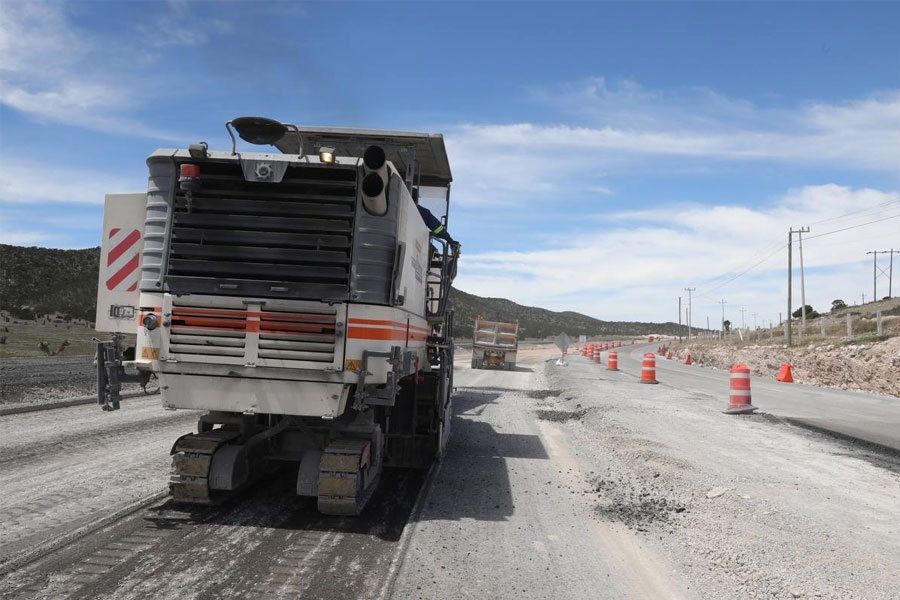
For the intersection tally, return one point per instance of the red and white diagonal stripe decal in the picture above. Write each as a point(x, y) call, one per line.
point(123, 259)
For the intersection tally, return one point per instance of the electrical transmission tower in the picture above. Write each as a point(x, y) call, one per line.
point(889, 273)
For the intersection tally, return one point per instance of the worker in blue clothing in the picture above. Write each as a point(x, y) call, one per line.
point(433, 224)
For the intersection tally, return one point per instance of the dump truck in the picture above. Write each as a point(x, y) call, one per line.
point(494, 344)
point(296, 297)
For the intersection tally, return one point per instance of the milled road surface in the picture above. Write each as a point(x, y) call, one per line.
point(67, 469)
point(509, 515)
point(559, 482)
point(61, 470)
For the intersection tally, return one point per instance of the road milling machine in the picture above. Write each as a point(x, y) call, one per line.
point(295, 296)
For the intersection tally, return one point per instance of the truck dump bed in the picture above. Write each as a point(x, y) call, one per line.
point(496, 334)
point(494, 343)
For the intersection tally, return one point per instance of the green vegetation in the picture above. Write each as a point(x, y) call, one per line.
point(39, 281)
point(810, 312)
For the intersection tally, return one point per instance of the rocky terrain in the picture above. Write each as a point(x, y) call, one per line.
point(873, 367)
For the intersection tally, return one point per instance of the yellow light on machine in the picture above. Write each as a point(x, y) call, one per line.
point(326, 155)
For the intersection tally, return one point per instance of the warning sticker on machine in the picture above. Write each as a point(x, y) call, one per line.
point(150, 353)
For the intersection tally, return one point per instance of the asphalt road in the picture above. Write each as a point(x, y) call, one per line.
point(511, 512)
point(868, 417)
point(506, 514)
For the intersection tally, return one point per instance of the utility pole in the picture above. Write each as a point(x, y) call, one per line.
point(787, 331)
point(707, 323)
point(689, 290)
point(802, 284)
point(743, 310)
point(722, 302)
point(754, 320)
point(679, 318)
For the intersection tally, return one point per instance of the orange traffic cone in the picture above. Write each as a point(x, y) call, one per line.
point(648, 368)
point(612, 363)
point(739, 399)
point(687, 359)
point(669, 356)
point(596, 356)
point(784, 375)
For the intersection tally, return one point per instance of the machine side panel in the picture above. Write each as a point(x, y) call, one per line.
point(120, 255)
point(158, 219)
point(411, 282)
point(375, 248)
point(378, 329)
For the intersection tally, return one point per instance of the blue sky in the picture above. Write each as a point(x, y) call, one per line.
point(605, 155)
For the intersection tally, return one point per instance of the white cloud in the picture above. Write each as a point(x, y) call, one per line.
point(18, 237)
point(33, 182)
point(634, 265)
point(57, 73)
point(178, 27)
point(629, 129)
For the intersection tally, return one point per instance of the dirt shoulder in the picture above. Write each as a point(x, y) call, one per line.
point(745, 507)
point(873, 368)
point(36, 381)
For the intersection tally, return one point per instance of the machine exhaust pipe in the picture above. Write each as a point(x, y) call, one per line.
point(375, 181)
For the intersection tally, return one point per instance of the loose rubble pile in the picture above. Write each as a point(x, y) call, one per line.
point(871, 368)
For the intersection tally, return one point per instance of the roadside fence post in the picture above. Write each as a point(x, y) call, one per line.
point(849, 325)
point(879, 330)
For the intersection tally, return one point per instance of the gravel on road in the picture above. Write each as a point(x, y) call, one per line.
point(743, 506)
point(511, 512)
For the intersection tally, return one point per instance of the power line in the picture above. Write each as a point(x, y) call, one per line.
point(750, 268)
point(855, 212)
point(782, 246)
point(812, 237)
point(769, 247)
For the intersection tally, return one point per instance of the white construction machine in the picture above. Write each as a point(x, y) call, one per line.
point(298, 297)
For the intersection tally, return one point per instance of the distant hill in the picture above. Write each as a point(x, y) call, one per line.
point(541, 323)
point(37, 281)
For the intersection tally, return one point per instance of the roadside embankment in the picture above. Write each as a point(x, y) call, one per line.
point(873, 367)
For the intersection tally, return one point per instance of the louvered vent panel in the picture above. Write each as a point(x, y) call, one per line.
point(307, 336)
point(267, 240)
point(207, 331)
